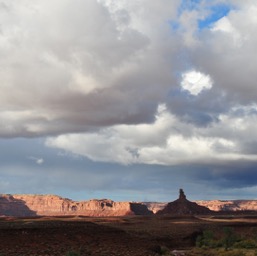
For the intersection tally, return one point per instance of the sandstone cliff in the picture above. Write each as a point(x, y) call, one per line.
point(155, 206)
point(230, 205)
point(214, 205)
point(10, 206)
point(52, 205)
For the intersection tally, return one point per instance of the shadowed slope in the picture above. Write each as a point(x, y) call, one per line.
point(182, 206)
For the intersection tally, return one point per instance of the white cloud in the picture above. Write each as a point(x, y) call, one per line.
point(37, 160)
point(98, 70)
point(78, 65)
point(164, 141)
point(74, 67)
point(195, 82)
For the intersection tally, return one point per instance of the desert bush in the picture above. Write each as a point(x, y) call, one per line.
point(229, 238)
point(215, 252)
point(161, 250)
point(164, 250)
point(206, 239)
point(72, 253)
point(247, 244)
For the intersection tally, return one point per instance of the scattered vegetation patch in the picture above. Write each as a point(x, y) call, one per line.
point(161, 250)
point(228, 240)
point(72, 253)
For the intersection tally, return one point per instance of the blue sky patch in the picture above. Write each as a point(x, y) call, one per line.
point(188, 5)
point(216, 13)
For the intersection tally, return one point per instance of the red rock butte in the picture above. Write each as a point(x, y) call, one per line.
point(182, 206)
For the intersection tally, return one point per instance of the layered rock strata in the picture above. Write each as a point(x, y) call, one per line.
point(214, 205)
point(52, 205)
point(230, 205)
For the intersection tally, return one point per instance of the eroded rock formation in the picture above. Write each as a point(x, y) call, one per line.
point(230, 205)
point(11, 206)
point(182, 206)
point(214, 205)
point(52, 205)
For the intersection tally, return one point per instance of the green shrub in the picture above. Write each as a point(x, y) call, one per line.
point(161, 250)
point(247, 244)
point(206, 239)
point(215, 252)
point(229, 238)
point(72, 253)
point(164, 250)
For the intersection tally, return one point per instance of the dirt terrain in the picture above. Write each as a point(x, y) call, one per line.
point(130, 235)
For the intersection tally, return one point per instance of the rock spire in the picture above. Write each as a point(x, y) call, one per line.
point(182, 206)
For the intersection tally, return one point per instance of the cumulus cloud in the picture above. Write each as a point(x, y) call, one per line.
point(69, 66)
point(79, 66)
point(168, 141)
point(194, 82)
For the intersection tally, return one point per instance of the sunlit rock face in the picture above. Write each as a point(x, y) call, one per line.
point(52, 205)
point(230, 205)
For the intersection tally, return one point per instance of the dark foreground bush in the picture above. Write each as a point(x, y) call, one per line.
point(217, 252)
point(72, 253)
point(227, 240)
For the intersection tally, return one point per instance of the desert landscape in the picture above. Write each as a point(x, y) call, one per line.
point(108, 107)
point(50, 225)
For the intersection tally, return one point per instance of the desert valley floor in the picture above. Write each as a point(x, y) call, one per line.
point(117, 236)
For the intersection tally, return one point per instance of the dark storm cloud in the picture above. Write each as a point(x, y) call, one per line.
point(229, 177)
point(202, 109)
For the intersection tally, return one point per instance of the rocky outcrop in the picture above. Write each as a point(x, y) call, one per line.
point(230, 205)
point(52, 205)
point(10, 206)
point(182, 206)
point(214, 205)
point(154, 206)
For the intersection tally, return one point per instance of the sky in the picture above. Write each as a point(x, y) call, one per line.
point(129, 100)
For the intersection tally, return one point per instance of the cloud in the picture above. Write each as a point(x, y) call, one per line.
point(168, 84)
point(195, 82)
point(66, 72)
point(225, 52)
point(37, 160)
point(168, 141)
point(70, 67)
